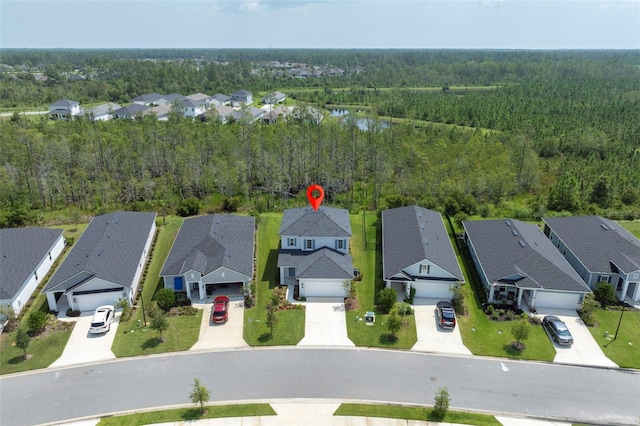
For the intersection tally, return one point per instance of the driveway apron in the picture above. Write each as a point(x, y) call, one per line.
point(432, 338)
point(585, 350)
point(84, 347)
point(325, 323)
point(227, 335)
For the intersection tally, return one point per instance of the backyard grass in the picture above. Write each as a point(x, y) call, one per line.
point(43, 352)
point(625, 349)
point(289, 329)
point(632, 226)
point(183, 331)
point(189, 414)
point(413, 413)
point(369, 262)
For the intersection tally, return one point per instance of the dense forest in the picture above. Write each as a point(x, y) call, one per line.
point(490, 133)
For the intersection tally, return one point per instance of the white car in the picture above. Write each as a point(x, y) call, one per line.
point(102, 319)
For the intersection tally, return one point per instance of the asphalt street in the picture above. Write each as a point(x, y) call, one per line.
point(561, 392)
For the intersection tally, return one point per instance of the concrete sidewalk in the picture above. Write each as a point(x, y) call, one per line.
point(321, 414)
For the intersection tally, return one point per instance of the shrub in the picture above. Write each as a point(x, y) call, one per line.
point(166, 299)
point(37, 322)
point(509, 316)
point(490, 310)
point(404, 309)
point(412, 295)
point(501, 312)
point(71, 313)
point(187, 310)
point(535, 319)
point(605, 294)
point(182, 299)
point(188, 207)
point(440, 404)
point(230, 204)
point(386, 299)
point(495, 315)
point(589, 305)
point(458, 301)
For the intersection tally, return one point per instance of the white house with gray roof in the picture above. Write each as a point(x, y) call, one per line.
point(314, 251)
point(417, 253)
point(150, 99)
point(64, 109)
point(519, 265)
point(211, 251)
point(241, 97)
point(105, 263)
point(26, 256)
point(600, 250)
point(102, 112)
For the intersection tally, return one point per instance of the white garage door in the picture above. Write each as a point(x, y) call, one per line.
point(550, 299)
point(435, 290)
point(321, 289)
point(89, 302)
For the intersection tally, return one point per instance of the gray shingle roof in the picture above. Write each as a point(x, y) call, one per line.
point(221, 98)
point(324, 222)
point(411, 234)
point(173, 96)
point(322, 263)
point(198, 97)
point(102, 109)
point(110, 248)
point(130, 110)
point(508, 248)
point(240, 94)
point(21, 251)
point(149, 97)
point(207, 243)
point(597, 242)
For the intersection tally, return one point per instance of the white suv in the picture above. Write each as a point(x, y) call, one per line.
point(102, 319)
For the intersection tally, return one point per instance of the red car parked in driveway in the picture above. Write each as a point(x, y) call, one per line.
point(219, 312)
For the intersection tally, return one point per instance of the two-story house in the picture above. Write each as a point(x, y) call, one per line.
point(314, 251)
point(64, 109)
point(600, 250)
point(241, 97)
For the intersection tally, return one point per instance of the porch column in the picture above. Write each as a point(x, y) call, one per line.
point(491, 288)
point(407, 289)
point(625, 287)
point(203, 292)
point(519, 297)
point(51, 299)
point(387, 284)
point(188, 286)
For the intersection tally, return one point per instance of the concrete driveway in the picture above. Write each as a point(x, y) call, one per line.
point(227, 335)
point(585, 350)
point(84, 347)
point(325, 323)
point(432, 338)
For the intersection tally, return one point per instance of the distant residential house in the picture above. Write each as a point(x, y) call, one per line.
point(209, 252)
point(26, 256)
point(273, 115)
point(150, 99)
point(172, 97)
point(247, 115)
point(241, 97)
point(274, 98)
point(314, 251)
point(103, 112)
point(518, 265)
point(417, 253)
point(221, 113)
point(129, 112)
point(64, 109)
point(600, 250)
point(105, 263)
point(307, 114)
point(191, 108)
point(219, 99)
point(161, 112)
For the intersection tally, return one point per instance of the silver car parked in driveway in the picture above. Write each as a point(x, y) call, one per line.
point(557, 330)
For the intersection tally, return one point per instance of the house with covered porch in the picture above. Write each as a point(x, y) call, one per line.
point(519, 266)
point(600, 250)
point(417, 253)
point(209, 253)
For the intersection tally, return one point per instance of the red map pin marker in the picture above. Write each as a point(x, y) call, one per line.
point(315, 202)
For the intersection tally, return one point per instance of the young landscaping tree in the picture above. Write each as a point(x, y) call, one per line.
point(440, 404)
point(386, 299)
point(159, 323)
point(589, 305)
point(166, 299)
point(199, 395)
point(605, 294)
point(272, 319)
point(22, 342)
point(394, 323)
point(520, 332)
point(37, 321)
point(458, 300)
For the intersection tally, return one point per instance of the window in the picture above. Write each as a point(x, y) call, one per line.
point(604, 278)
point(291, 242)
point(340, 244)
point(309, 244)
point(292, 272)
point(424, 269)
point(35, 274)
point(50, 256)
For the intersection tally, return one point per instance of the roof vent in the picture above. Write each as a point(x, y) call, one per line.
point(522, 243)
point(603, 226)
point(514, 232)
point(508, 222)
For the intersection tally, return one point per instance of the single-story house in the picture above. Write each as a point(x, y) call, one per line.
point(417, 253)
point(219, 99)
point(105, 264)
point(172, 97)
point(314, 251)
point(241, 97)
point(600, 250)
point(518, 264)
point(273, 115)
point(130, 112)
point(247, 115)
point(220, 113)
point(211, 251)
point(26, 256)
point(161, 111)
point(64, 109)
point(150, 99)
point(103, 112)
point(274, 98)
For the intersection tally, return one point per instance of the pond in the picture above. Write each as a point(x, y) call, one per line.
point(363, 123)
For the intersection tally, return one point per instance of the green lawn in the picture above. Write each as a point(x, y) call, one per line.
point(413, 413)
point(189, 414)
point(44, 352)
point(625, 350)
point(183, 331)
point(289, 329)
point(370, 263)
point(632, 226)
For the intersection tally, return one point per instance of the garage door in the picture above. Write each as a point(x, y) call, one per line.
point(550, 299)
point(89, 302)
point(434, 290)
point(321, 289)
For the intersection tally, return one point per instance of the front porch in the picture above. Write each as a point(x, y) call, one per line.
point(506, 294)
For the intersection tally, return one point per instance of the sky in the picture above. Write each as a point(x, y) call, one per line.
point(440, 24)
